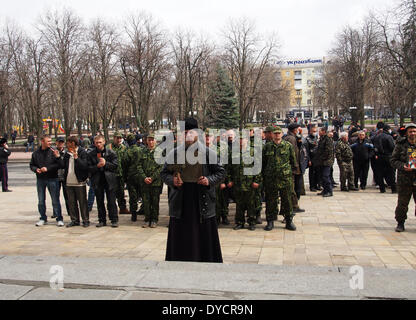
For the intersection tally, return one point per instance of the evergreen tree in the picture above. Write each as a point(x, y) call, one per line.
point(222, 110)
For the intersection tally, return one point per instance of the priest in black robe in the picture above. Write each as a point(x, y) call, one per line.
point(193, 231)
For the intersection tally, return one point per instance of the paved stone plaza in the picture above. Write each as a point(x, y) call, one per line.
point(347, 229)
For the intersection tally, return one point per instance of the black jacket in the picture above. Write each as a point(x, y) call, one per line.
point(46, 158)
point(108, 172)
point(383, 144)
point(80, 165)
point(363, 150)
point(215, 174)
point(4, 155)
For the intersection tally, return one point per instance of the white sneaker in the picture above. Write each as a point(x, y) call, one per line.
point(60, 224)
point(41, 223)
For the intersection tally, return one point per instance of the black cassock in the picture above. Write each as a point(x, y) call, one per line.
point(188, 238)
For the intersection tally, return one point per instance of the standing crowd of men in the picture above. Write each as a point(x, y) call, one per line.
point(130, 161)
point(108, 168)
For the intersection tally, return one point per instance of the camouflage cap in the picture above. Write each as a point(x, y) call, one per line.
point(118, 135)
point(150, 135)
point(131, 137)
point(269, 129)
point(277, 130)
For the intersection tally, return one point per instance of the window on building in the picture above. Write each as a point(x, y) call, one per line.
point(309, 102)
point(309, 83)
point(298, 82)
point(287, 73)
point(298, 92)
point(298, 73)
point(298, 102)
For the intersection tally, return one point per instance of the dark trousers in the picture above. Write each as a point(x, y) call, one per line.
point(77, 201)
point(272, 200)
point(4, 177)
point(121, 200)
point(405, 194)
point(315, 177)
point(326, 179)
point(91, 197)
point(385, 172)
point(53, 188)
point(62, 186)
point(111, 203)
point(361, 169)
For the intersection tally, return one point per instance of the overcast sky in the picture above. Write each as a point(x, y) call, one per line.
point(306, 28)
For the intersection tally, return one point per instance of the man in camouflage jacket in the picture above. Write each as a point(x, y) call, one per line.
point(326, 161)
point(245, 186)
point(344, 157)
point(404, 160)
point(277, 168)
point(131, 174)
point(119, 148)
point(151, 182)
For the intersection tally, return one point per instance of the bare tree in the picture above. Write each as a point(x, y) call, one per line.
point(104, 69)
point(398, 30)
point(191, 55)
point(247, 56)
point(63, 34)
point(353, 56)
point(144, 62)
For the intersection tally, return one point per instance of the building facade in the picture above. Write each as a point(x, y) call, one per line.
point(301, 77)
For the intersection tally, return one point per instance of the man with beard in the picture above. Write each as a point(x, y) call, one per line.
point(193, 232)
point(404, 160)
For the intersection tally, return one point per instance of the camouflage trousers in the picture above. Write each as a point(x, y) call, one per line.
point(346, 174)
point(272, 200)
point(245, 201)
point(221, 203)
point(404, 194)
point(258, 201)
point(151, 199)
point(134, 194)
point(121, 200)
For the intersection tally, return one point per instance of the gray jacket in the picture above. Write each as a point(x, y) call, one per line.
point(215, 173)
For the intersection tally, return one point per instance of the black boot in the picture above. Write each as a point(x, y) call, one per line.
point(258, 220)
point(225, 221)
point(134, 217)
point(239, 226)
point(290, 225)
point(400, 227)
point(270, 226)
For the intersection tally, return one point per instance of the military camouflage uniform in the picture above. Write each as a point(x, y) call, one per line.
point(344, 155)
point(120, 151)
point(258, 192)
point(149, 168)
point(406, 181)
point(221, 204)
point(245, 194)
point(131, 176)
point(278, 165)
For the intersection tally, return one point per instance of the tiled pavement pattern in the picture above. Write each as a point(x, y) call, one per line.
point(348, 229)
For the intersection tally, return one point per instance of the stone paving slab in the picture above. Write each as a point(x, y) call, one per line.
point(74, 294)
point(13, 292)
point(87, 278)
